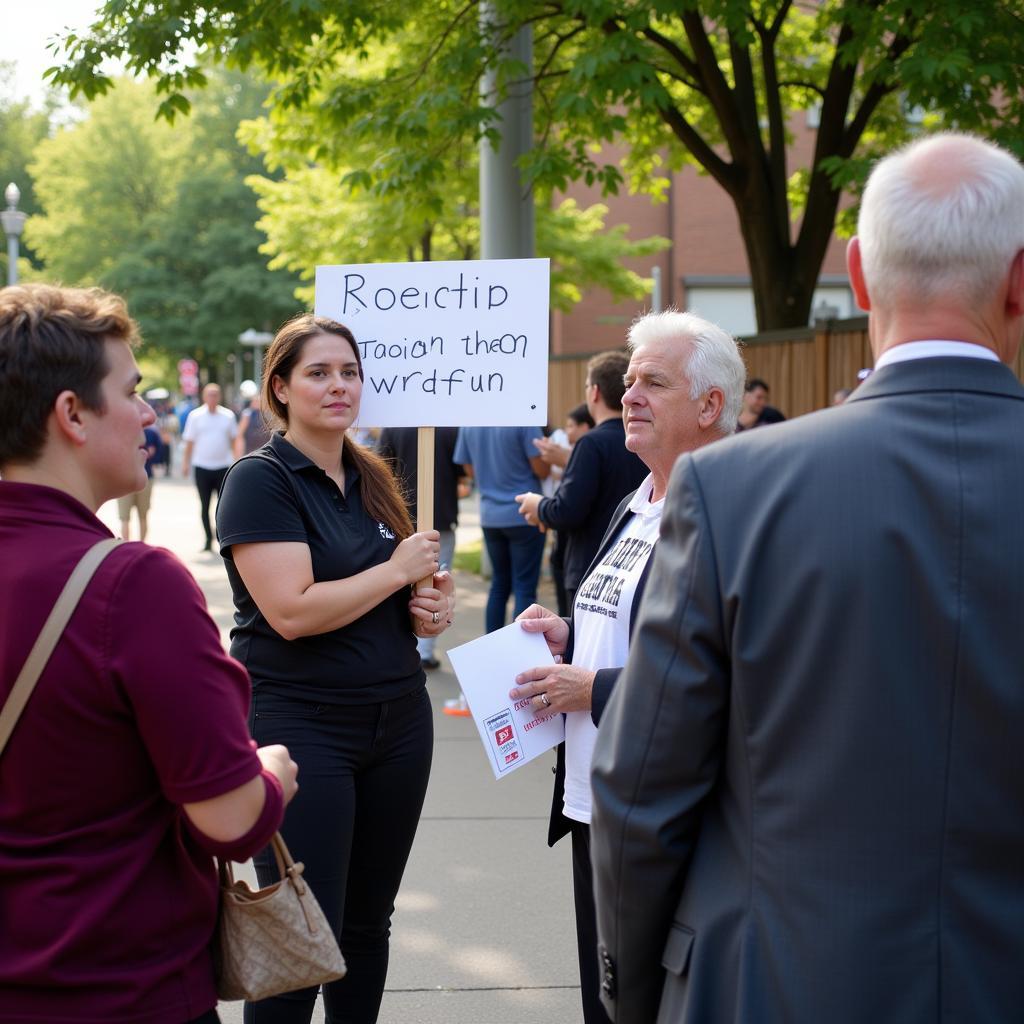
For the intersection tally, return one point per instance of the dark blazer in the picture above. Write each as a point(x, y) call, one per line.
point(808, 783)
point(605, 678)
point(601, 470)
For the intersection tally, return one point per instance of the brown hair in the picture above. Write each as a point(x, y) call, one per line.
point(607, 370)
point(382, 497)
point(581, 415)
point(52, 340)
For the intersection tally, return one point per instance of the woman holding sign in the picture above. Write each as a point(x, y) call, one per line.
point(321, 554)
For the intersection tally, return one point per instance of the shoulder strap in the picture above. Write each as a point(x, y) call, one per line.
point(50, 634)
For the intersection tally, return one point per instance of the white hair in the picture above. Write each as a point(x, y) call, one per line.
point(714, 360)
point(942, 216)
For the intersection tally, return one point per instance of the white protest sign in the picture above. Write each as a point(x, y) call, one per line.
point(486, 669)
point(453, 344)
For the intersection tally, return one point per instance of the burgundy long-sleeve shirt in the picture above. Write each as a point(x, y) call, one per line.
point(107, 902)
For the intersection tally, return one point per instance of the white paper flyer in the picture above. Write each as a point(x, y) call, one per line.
point(486, 668)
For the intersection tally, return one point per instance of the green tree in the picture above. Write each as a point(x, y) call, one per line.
point(22, 128)
point(708, 82)
point(200, 279)
point(326, 211)
point(100, 182)
point(161, 214)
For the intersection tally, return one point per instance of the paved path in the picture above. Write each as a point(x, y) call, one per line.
point(483, 931)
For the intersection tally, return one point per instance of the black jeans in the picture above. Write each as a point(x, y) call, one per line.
point(586, 926)
point(363, 774)
point(208, 481)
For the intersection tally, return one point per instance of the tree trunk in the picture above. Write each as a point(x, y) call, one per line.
point(783, 276)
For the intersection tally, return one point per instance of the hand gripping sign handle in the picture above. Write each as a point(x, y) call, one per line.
point(425, 489)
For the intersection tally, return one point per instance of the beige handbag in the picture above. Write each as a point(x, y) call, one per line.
point(273, 940)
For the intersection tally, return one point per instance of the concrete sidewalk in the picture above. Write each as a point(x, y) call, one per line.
point(483, 932)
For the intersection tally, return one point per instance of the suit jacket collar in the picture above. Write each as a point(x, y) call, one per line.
point(940, 374)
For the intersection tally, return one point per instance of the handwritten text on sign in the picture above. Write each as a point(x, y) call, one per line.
point(445, 344)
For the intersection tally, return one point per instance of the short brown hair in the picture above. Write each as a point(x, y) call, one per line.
point(381, 494)
point(607, 371)
point(52, 340)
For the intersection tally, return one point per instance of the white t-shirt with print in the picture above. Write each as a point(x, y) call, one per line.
point(601, 617)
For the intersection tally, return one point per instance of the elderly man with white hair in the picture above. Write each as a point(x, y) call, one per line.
point(807, 785)
point(684, 388)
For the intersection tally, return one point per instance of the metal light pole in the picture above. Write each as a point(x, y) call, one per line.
point(506, 203)
point(13, 221)
point(656, 305)
point(259, 340)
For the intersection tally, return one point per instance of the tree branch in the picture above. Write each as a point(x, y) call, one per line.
point(780, 16)
point(674, 50)
point(681, 79)
point(839, 137)
point(878, 89)
point(744, 91)
point(835, 98)
point(560, 41)
point(436, 49)
point(721, 171)
point(776, 127)
point(799, 83)
point(717, 88)
point(724, 173)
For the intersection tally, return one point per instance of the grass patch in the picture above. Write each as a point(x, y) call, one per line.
point(467, 558)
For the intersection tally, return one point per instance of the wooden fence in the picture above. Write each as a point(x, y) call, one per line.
point(803, 367)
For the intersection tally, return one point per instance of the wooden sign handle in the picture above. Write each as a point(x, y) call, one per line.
point(424, 488)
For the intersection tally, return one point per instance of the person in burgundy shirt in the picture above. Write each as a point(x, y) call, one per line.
point(131, 766)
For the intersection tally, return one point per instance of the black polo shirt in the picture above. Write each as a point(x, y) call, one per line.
point(277, 494)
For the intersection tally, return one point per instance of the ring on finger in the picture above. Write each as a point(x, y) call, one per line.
point(435, 617)
point(544, 700)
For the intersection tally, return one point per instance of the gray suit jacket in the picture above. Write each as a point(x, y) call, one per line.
point(809, 781)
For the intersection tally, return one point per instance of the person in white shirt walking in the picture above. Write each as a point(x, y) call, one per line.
point(208, 436)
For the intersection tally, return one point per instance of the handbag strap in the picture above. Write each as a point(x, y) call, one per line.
point(286, 866)
point(50, 634)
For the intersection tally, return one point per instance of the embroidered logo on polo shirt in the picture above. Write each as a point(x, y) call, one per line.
point(385, 532)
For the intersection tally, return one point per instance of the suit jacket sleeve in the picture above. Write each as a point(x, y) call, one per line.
point(658, 754)
point(574, 500)
point(605, 680)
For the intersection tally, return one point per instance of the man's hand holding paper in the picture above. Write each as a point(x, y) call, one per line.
point(538, 619)
point(555, 688)
point(512, 732)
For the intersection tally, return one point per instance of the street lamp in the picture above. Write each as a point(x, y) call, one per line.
point(13, 221)
point(258, 340)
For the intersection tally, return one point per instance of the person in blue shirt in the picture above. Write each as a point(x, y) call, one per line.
point(505, 462)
